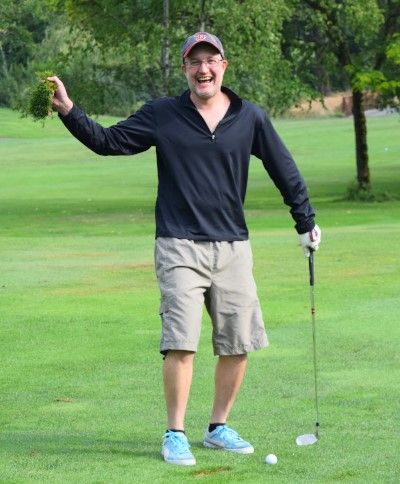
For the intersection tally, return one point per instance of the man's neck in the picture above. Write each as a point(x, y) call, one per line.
point(218, 100)
point(213, 109)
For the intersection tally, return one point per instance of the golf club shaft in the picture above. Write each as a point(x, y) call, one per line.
point(311, 270)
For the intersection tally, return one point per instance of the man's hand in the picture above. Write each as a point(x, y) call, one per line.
point(61, 102)
point(310, 240)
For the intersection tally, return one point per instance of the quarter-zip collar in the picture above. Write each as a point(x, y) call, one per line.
point(234, 108)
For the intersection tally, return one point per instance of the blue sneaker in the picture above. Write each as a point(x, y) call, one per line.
point(225, 438)
point(175, 449)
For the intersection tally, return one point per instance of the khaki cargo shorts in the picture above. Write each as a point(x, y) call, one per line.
point(192, 273)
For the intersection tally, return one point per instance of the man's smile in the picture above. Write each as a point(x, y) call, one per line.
point(204, 79)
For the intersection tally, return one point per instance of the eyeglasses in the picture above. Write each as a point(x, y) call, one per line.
point(196, 63)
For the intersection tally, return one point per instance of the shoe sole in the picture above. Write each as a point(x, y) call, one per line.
point(244, 450)
point(182, 462)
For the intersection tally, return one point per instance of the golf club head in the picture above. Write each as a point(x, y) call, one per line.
point(306, 439)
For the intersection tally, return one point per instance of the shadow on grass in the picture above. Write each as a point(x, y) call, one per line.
point(197, 445)
point(29, 444)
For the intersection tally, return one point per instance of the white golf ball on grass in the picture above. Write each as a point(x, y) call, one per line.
point(271, 459)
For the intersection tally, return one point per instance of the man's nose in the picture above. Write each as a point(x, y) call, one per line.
point(203, 67)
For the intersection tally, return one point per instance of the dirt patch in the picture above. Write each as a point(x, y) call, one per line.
point(332, 105)
point(211, 471)
point(85, 254)
point(64, 399)
point(337, 104)
point(122, 267)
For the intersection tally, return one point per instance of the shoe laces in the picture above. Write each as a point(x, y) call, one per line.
point(232, 434)
point(180, 443)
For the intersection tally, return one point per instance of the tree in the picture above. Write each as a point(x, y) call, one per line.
point(22, 28)
point(116, 54)
point(141, 42)
point(251, 33)
point(165, 50)
point(356, 38)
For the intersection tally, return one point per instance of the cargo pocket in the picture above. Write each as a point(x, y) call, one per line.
point(164, 308)
point(166, 327)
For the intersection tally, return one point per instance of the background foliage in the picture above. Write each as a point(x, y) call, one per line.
point(115, 54)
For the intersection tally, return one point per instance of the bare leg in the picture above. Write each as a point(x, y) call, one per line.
point(229, 374)
point(178, 371)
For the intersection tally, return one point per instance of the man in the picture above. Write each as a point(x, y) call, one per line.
point(203, 139)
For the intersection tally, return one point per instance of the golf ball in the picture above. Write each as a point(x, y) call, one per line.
point(271, 459)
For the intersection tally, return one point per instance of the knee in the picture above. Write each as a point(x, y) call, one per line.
point(180, 356)
point(233, 358)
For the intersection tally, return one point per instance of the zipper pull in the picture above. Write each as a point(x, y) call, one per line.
point(213, 137)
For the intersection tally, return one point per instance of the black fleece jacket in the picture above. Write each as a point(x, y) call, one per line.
point(202, 176)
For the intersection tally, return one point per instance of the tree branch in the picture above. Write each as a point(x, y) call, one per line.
point(333, 31)
point(109, 15)
point(389, 28)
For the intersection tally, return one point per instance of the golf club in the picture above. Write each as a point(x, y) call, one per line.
point(309, 439)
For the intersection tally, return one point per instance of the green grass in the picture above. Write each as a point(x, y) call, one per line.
point(81, 396)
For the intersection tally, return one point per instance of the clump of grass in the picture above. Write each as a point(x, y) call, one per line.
point(39, 98)
point(364, 193)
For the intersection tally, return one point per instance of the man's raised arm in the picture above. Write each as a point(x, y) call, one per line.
point(128, 137)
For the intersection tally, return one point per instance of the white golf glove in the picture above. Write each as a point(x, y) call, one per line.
point(310, 240)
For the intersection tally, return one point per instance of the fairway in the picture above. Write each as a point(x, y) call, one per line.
point(81, 397)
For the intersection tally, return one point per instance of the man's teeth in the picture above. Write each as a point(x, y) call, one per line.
point(204, 79)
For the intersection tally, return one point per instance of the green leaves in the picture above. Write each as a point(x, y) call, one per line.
point(363, 80)
point(362, 20)
point(393, 50)
point(385, 82)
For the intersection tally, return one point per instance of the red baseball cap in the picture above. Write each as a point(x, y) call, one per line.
point(201, 37)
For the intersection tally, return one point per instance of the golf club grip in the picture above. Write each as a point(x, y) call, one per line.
point(311, 267)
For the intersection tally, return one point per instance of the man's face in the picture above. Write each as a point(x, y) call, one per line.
point(204, 69)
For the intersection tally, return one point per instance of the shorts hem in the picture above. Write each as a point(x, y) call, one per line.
point(225, 350)
point(177, 346)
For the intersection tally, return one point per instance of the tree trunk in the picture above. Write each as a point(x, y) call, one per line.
point(360, 128)
point(165, 51)
point(3, 62)
point(203, 15)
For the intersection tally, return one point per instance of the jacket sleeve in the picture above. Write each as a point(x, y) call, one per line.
point(269, 148)
point(128, 137)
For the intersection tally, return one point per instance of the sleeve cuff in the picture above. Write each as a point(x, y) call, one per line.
point(304, 227)
point(70, 114)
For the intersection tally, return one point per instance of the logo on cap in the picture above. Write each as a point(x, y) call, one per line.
point(195, 39)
